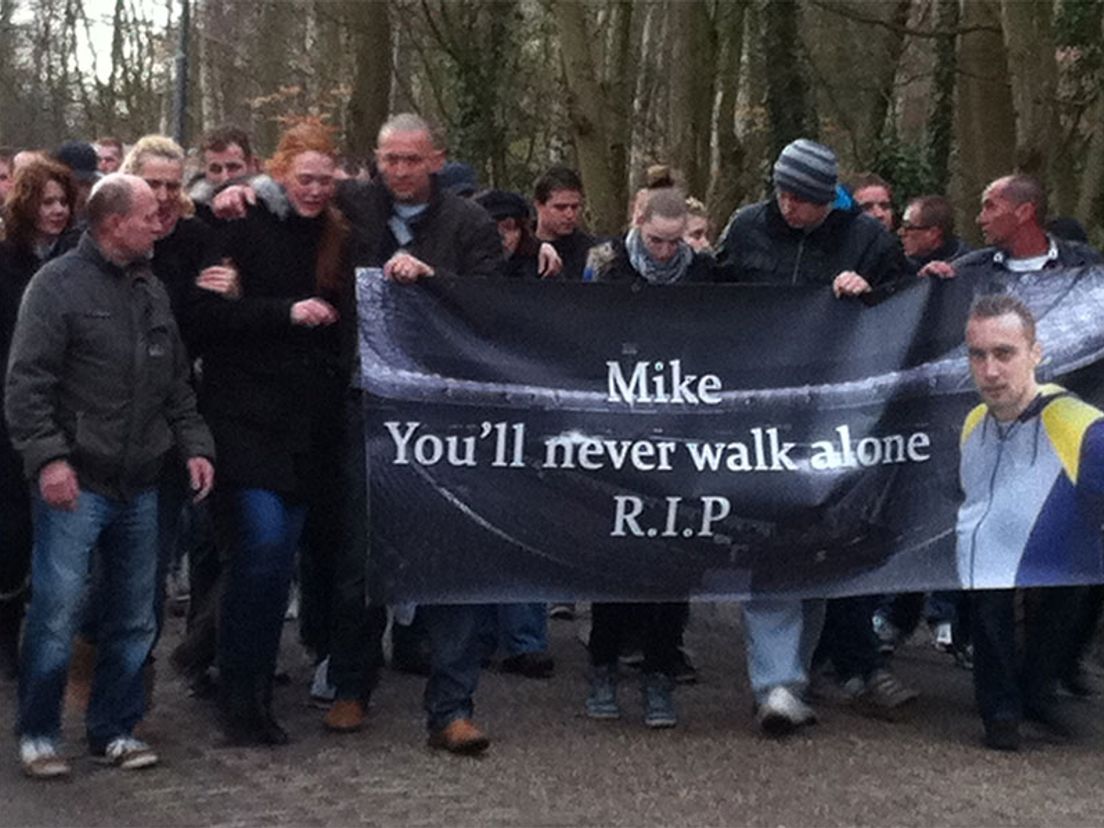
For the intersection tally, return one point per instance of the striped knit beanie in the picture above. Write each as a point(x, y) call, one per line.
point(808, 170)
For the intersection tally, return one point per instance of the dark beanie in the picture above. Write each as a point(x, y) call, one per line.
point(80, 157)
point(458, 178)
point(808, 170)
point(502, 204)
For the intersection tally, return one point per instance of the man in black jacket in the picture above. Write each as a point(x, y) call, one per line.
point(404, 224)
point(928, 234)
point(97, 392)
point(798, 238)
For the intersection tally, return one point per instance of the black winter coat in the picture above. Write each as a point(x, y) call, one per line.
point(456, 237)
point(620, 270)
point(758, 246)
point(266, 383)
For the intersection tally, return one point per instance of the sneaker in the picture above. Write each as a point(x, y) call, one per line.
point(943, 637)
point(321, 690)
point(783, 713)
point(40, 758)
point(127, 753)
point(601, 703)
point(659, 707)
point(345, 716)
point(885, 690)
point(562, 612)
point(460, 736)
point(530, 665)
point(1002, 734)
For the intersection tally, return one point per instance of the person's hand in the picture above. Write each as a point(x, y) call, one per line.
point(850, 283)
point(222, 279)
point(232, 202)
point(402, 267)
point(202, 476)
point(57, 483)
point(310, 313)
point(549, 262)
point(941, 270)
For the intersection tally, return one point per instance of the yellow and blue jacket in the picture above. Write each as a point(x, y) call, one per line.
point(1034, 495)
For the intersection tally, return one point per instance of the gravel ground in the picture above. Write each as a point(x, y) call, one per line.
point(549, 765)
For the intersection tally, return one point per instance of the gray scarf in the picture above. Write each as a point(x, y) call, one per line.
point(657, 273)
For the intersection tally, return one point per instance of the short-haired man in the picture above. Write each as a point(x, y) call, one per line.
point(1032, 474)
point(927, 232)
point(797, 237)
point(558, 198)
point(227, 154)
point(1013, 221)
point(97, 392)
point(406, 225)
point(110, 153)
point(873, 195)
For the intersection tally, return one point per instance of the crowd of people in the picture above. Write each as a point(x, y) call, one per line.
point(179, 332)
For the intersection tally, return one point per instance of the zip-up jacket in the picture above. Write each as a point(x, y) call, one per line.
point(1034, 495)
point(98, 375)
point(758, 246)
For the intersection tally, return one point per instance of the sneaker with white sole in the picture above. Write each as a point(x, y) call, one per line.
point(783, 712)
point(40, 758)
point(127, 753)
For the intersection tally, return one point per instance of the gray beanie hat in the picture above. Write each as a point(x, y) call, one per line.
point(808, 170)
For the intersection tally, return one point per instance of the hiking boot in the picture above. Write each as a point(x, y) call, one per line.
point(40, 758)
point(460, 736)
point(345, 716)
point(1002, 734)
point(659, 707)
point(126, 753)
point(885, 690)
point(530, 665)
point(783, 712)
point(601, 702)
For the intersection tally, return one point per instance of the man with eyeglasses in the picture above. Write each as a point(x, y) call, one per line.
point(928, 234)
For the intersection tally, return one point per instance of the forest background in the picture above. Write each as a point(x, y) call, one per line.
point(935, 95)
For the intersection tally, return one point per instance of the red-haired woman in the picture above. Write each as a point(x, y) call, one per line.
point(38, 218)
point(276, 365)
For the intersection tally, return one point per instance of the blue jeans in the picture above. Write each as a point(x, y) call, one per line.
point(517, 628)
point(781, 636)
point(453, 631)
point(125, 532)
point(259, 531)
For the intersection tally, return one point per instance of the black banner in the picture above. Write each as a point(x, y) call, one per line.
point(532, 441)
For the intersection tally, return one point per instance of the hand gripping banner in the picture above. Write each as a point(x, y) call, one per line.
point(533, 441)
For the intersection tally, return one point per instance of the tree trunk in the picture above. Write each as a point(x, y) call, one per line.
point(885, 97)
point(1029, 44)
point(692, 77)
point(942, 114)
point(788, 96)
point(985, 119)
point(370, 28)
point(726, 187)
point(587, 109)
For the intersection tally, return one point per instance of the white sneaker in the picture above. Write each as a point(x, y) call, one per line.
point(783, 712)
point(40, 758)
point(321, 690)
point(128, 753)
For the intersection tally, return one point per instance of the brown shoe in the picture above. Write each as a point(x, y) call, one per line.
point(344, 716)
point(460, 736)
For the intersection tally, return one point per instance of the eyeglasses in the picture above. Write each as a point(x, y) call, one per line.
point(906, 227)
point(869, 205)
